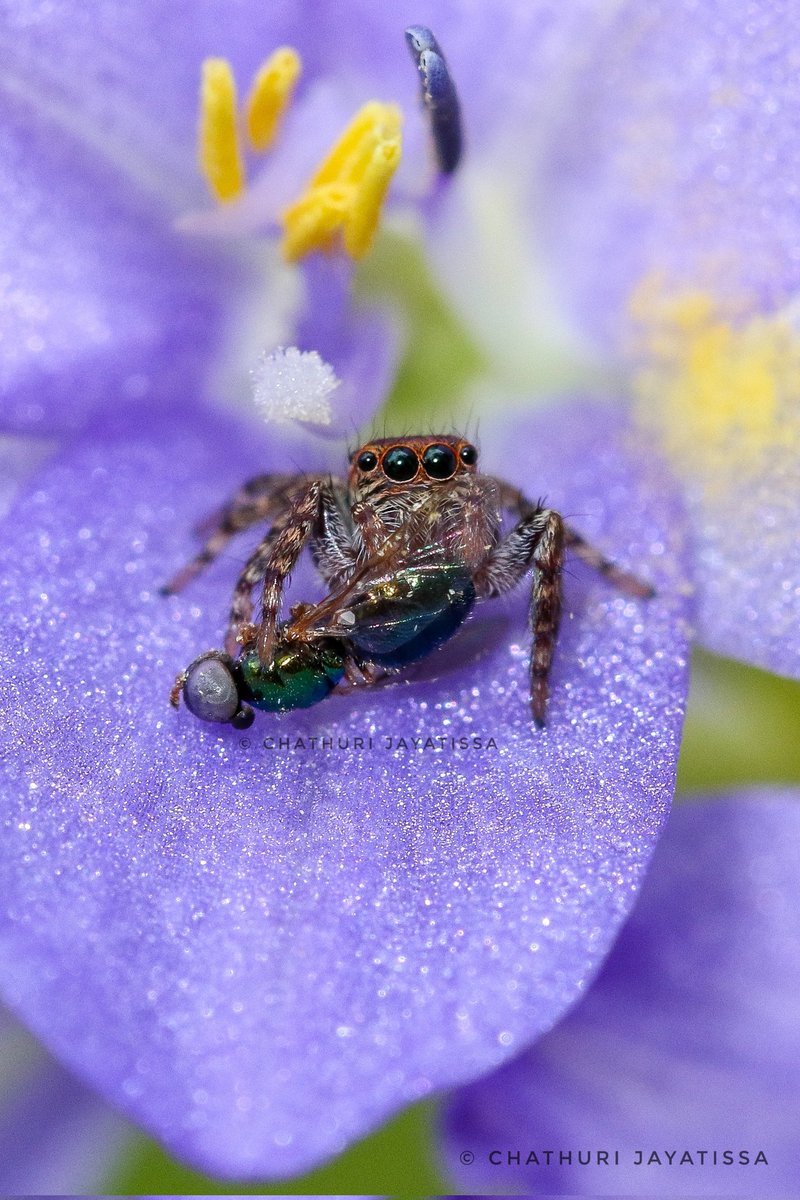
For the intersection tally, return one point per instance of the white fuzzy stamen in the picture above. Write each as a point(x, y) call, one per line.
point(291, 384)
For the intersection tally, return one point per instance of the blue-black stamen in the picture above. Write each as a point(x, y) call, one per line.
point(439, 96)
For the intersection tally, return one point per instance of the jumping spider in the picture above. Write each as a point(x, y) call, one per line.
point(407, 545)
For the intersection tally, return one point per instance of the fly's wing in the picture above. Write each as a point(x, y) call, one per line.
point(376, 572)
point(396, 613)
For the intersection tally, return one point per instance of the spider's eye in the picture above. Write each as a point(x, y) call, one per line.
point(439, 462)
point(400, 464)
point(367, 461)
point(468, 455)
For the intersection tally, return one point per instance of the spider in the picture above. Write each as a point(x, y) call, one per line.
point(407, 545)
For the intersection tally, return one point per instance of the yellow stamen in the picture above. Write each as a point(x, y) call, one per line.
point(342, 204)
point(270, 96)
point(219, 153)
point(720, 392)
point(360, 230)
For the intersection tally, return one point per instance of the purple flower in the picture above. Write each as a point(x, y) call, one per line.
point(260, 949)
point(681, 1061)
point(259, 952)
point(650, 238)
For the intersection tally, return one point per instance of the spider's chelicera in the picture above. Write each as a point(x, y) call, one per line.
point(407, 545)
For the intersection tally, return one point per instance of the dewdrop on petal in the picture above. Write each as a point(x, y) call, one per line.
point(294, 385)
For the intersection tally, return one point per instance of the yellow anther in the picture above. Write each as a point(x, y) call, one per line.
point(360, 229)
point(219, 153)
point(342, 204)
point(270, 96)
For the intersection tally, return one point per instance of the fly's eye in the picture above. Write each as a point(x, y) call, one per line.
point(367, 461)
point(468, 455)
point(400, 464)
point(439, 462)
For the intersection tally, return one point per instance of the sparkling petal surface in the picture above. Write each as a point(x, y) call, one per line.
point(687, 1040)
point(679, 153)
point(260, 953)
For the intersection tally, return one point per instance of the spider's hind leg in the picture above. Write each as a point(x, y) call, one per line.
point(630, 584)
point(257, 500)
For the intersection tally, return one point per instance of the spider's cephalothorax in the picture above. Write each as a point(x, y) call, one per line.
point(406, 545)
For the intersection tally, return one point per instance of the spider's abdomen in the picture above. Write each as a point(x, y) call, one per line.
point(300, 675)
point(401, 618)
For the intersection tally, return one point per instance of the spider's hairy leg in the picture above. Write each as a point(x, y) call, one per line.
point(515, 501)
point(361, 674)
point(623, 580)
point(284, 552)
point(537, 542)
point(545, 610)
point(257, 500)
point(309, 619)
point(272, 561)
point(270, 490)
point(512, 499)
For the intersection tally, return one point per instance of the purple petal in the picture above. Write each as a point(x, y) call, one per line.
point(688, 1040)
point(679, 152)
point(133, 68)
point(362, 345)
point(19, 458)
point(748, 601)
point(674, 172)
point(261, 953)
point(55, 1136)
point(98, 290)
point(130, 71)
point(99, 158)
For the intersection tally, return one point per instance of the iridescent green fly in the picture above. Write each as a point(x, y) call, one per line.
point(359, 636)
point(407, 545)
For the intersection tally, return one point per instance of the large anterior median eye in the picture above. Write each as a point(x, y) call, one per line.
point(439, 462)
point(400, 464)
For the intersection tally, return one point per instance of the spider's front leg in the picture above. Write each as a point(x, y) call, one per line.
point(536, 542)
point(516, 502)
point(257, 500)
point(314, 512)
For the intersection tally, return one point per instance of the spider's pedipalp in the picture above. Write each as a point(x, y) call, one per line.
point(334, 544)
